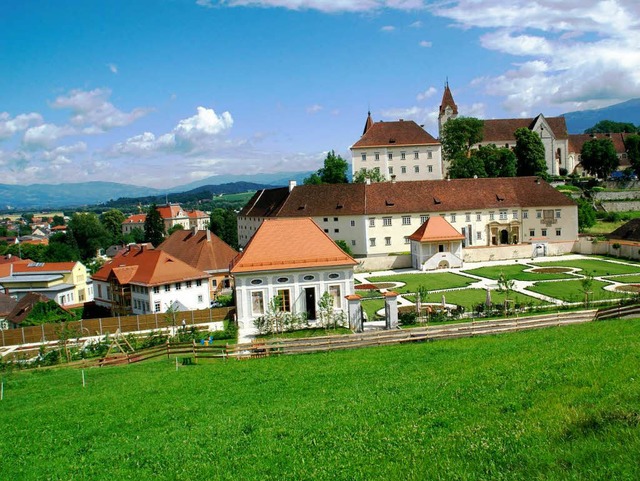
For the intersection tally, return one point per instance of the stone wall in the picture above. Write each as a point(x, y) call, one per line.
point(383, 263)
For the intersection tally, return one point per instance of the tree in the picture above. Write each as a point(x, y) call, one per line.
point(530, 153)
point(153, 226)
point(57, 220)
point(334, 171)
point(372, 175)
point(632, 146)
point(345, 248)
point(466, 167)
point(505, 285)
point(498, 162)
point(112, 221)
point(599, 157)
point(224, 224)
point(62, 248)
point(174, 228)
point(586, 215)
point(459, 135)
point(611, 127)
point(89, 234)
point(135, 236)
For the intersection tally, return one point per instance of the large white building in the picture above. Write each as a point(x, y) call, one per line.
point(378, 219)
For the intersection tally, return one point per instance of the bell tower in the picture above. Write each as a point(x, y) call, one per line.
point(448, 108)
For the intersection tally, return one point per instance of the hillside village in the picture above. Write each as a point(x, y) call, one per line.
point(295, 245)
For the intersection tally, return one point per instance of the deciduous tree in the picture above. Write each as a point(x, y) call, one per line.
point(632, 145)
point(112, 221)
point(599, 157)
point(153, 226)
point(530, 153)
point(373, 175)
point(459, 135)
point(334, 171)
point(611, 127)
point(89, 233)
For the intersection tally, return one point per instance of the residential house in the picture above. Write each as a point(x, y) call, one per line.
point(378, 219)
point(7, 304)
point(135, 221)
point(67, 283)
point(172, 215)
point(142, 280)
point(23, 308)
point(206, 252)
point(401, 150)
point(295, 261)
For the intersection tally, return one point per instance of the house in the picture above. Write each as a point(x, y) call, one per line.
point(295, 261)
point(577, 141)
point(7, 304)
point(500, 132)
point(67, 283)
point(23, 308)
point(436, 245)
point(172, 215)
point(205, 251)
point(401, 150)
point(377, 220)
point(135, 221)
point(198, 219)
point(142, 281)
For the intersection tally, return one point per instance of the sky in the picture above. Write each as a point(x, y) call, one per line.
point(162, 93)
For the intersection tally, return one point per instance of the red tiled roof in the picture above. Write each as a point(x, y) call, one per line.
point(196, 214)
point(367, 124)
point(135, 219)
point(203, 250)
point(447, 100)
point(501, 130)
point(402, 132)
point(576, 141)
point(148, 267)
point(7, 303)
point(435, 229)
point(40, 267)
point(170, 211)
point(290, 244)
point(424, 196)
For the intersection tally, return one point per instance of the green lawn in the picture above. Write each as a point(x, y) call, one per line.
point(516, 271)
point(572, 291)
point(471, 297)
point(371, 306)
point(597, 267)
point(552, 404)
point(630, 279)
point(432, 281)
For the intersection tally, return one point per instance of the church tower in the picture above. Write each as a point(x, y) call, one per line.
point(448, 108)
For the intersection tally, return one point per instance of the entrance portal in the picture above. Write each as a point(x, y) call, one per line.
point(310, 302)
point(504, 236)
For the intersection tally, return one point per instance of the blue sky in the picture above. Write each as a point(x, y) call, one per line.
point(162, 93)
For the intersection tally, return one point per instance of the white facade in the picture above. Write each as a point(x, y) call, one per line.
point(406, 162)
point(303, 288)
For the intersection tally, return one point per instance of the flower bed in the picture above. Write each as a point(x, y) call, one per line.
point(551, 270)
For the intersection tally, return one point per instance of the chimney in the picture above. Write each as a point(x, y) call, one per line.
point(208, 235)
point(393, 178)
point(292, 184)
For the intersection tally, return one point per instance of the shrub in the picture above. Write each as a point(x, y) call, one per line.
point(407, 318)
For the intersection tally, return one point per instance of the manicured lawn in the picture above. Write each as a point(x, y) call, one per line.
point(516, 271)
point(371, 306)
point(572, 291)
point(468, 298)
point(432, 281)
point(311, 332)
point(596, 267)
point(631, 279)
point(553, 404)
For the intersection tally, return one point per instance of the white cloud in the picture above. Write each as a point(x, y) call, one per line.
point(430, 92)
point(321, 5)
point(112, 67)
point(314, 109)
point(387, 28)
point(416, 24)
point(46, 135)
point(575, 54)
point(425, 43)
point(93, 111)
point(9, 126)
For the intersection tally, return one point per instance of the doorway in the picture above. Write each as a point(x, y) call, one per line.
point(310, 302)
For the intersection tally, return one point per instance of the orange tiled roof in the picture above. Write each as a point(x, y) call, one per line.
point(435, 229)
point(390, 134)
point(196, 214)
point(148, 267)
point(41, 267)
point(203, 250)
point(501, 130)
point(135, 219)
point(170, 211)
point(290, 244)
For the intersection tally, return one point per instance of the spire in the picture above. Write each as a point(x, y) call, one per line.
point(447, 100)
point(368, 123)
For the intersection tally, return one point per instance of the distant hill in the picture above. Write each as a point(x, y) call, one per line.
point(629, 111)
point(276, 179)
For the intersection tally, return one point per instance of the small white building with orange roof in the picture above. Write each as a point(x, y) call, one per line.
point(436, 245)
point(295, 261)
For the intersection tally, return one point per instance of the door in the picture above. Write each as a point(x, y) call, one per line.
point(310, 302)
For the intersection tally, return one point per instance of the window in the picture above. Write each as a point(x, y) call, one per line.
point(391, 170)
point(491, 216)
point(256, 282)
point(453, 217)
point(99, 291)
point(514, 214)
point(478, 216)
point(558, 232)
point(403, 170)
point(214, 283)
point(386, 221)
point(503, 215)
point(178, 286)
point(406, 220)
point(416, 155)
point(525, 214)
point(309, 277)
point(335, 219)
point(353, 243)
point(478, 235)
point(558, 213)
point(167, 287)
point(372, 221)
point(326, 231)
point(416, 169)
point(402, 156)
point(429, 168)
point(532, 232)
point(429, 154)
point(390, 155)
point(387, 241)
point(372, 242)
point(284, 298)
point(200, 298)
point(544, 232)
point(333, 275)
point(257, 303)
point(325, 219)
point(538, 214)
point(407, 240)
point(423, 219)
point(336, 296)
point(377, 155)
point(198, 283)
point(336, 231)
point(282, 280)
point(353, 223)
point(189, 283)
point(156, 289)
point(364, 157)
point(467, 217)
point(156, 307)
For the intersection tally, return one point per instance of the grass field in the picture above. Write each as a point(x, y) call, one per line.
point(596, 267)
point(516, 272)
point(553, 404)
point(468, 298)
point(442, 280)
point(573, 291)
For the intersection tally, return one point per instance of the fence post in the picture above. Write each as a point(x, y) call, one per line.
point(195, 352)
point(100, 322)
point(43, 338)
point(156, 316)
point(3, 344)
point(192, 323)
point(119, 327)
point(138, 321)
point(23, 341)
point(168, 349)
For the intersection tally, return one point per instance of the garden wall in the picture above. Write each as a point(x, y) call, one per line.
point(383, 263)
point(587, 246)
point(516, 251)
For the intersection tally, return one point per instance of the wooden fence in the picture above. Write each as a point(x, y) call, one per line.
point(188, 351)
point(102, 326)
point(618, 312)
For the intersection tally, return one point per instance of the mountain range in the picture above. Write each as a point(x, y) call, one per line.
point(578, 122)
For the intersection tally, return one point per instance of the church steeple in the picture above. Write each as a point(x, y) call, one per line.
point(448, 108)
point(368, 123)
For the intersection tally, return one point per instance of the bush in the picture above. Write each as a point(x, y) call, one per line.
point(407, 318)
point(563, 171)
point(612, 217)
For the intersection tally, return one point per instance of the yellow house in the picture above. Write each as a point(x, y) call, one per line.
point(67, 283)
